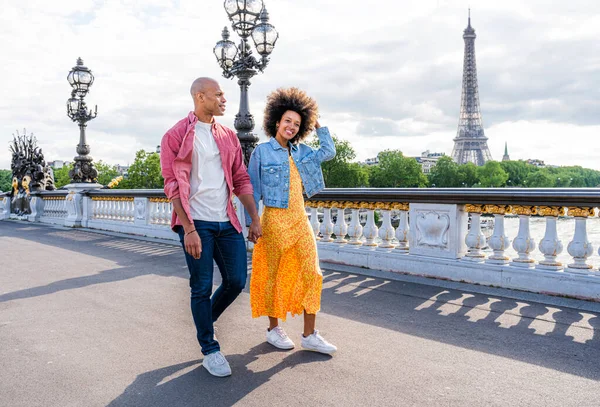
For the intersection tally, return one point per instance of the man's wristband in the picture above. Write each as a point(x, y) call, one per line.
point(191, 231)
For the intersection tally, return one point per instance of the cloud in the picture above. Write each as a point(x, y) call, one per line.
point(384, 77)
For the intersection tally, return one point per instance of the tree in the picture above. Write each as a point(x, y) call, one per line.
point(61, 176)
point(492, 175)
point(540, 179)
point(5, 180)
point(340, 172)
point(396, 171)
point(445, 173)
point(468, 174)
point(144, 173)
point(517, 171)
point(106, 172)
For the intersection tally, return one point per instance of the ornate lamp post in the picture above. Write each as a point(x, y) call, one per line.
point(80, 78)
point(239, 61)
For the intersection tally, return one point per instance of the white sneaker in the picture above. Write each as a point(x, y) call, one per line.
point(216, 364)
point(278, 338)
point(315, 342)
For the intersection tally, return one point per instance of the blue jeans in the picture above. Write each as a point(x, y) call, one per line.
point(223, 243)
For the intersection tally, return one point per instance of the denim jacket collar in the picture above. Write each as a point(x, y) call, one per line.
point(276, 146)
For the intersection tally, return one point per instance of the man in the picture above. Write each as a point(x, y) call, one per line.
point(202, 164)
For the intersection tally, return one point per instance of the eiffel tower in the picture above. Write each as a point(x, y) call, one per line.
point(470, 143)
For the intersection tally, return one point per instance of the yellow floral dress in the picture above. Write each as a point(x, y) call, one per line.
point(285, 267)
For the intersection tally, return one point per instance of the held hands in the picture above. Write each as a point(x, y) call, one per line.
point(255, 231)
point(317, 125)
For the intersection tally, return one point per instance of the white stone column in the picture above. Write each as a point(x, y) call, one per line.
point(341, 228)
point(4, 207)
point(370, 231)
point(355, 229)
point(74, 209)
point(550, 245)
point(142, 212)
point(523, 243)
point(387, 231)
point(498, 242)
point(475, 239)
point(403, 228)
point(37, 208)
point(580, 248)
point(326, 225)
point(314, 221)
point(87, 211)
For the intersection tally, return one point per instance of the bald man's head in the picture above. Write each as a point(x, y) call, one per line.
point(208, 97)
point(201, 84)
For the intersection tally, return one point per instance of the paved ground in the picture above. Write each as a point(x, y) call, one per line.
point(89, 319)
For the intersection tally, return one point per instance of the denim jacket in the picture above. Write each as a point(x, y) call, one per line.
point(269, 168)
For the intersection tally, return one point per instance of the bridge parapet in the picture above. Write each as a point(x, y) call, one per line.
point(458, 234)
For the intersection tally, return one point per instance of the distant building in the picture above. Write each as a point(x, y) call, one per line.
point(505, 157)
point(122, 169)
point(57, 164)
point(428, 160)
point(536, 162)
point(372, 161)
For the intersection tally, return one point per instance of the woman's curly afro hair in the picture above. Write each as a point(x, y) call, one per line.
point(282, 100)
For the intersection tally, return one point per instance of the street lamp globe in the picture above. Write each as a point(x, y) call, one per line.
point(243, 14)
point(264, 35)
point(80, 78)
point(73, 106)
point(225, 50)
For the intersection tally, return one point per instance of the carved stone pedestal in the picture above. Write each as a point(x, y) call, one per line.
point(74, 202)
point(437, 230)
point(4, 207)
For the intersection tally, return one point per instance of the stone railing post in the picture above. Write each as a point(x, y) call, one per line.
point(403, 227)
point(340, 228)
point(498, 242)
point(475, 239)
point(314, 221)
point(580, 248)
point(370, 230)
point(355, 229)
point(550, 245)
point(524, 243)
point(326, 225)
point(387, 231)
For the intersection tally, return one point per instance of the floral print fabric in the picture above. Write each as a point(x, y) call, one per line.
point(286, 277)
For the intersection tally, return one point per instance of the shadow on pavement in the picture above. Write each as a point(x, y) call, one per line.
point(189, 384)
point(558, 338)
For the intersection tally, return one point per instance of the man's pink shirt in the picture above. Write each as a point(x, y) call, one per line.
point(176, 150)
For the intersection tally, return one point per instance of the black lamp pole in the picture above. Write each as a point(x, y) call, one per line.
point(239, 61)
point(81, 79)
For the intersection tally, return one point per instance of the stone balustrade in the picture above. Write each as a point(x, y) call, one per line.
point(428, 232)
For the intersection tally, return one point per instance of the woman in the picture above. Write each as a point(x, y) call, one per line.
point(285, 268)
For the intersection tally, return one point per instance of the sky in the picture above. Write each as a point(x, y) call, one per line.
point(385, 76)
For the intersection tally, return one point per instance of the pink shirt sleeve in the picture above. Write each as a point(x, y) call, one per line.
point(239, 174)
point(169, 147)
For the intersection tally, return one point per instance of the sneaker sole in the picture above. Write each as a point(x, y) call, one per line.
point(215, 374)
point(281, 347)
point(319, 351)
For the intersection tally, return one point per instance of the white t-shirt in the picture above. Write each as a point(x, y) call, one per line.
point(208, 188)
